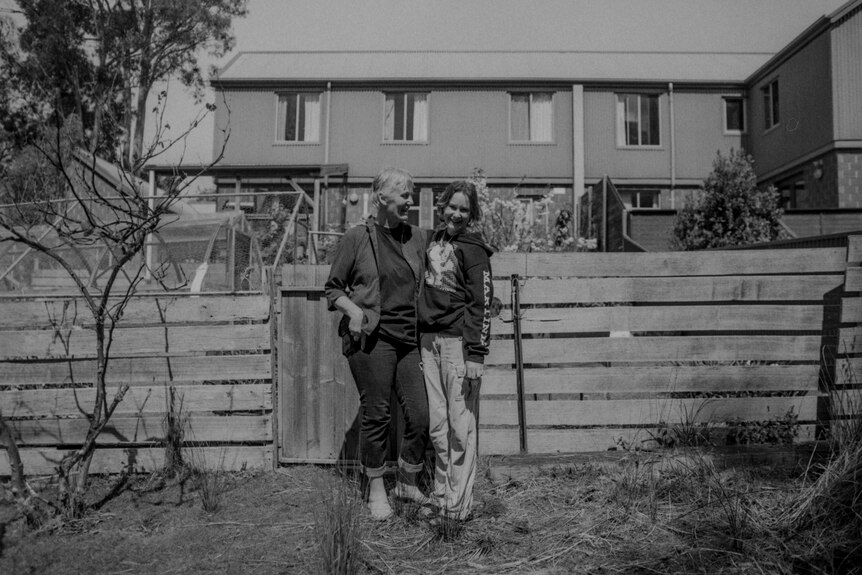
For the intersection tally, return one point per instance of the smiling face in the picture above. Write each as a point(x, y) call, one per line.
point(456, 213)
point(395, 202)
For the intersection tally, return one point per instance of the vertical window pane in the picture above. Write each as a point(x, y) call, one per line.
point(767, 108)
point(540, 118)
point(733, 115)
point(389, 118)
point(290, 127)
point(653, 139)
point(281, 118)
point(632, 120)
point(408, 116)
point(520, 112)
point(775, 113)
point(399, 117)
point(420, 118)
point(311, 108)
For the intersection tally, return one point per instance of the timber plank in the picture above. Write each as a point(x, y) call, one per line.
point(509, 263)
point(687, 318)
point(654, 379)
point(603, 439)
point(851, 310)
point(141, 370)
point(854, 249)
point(144, 399)
point(651, 349)
point(42, 461)
point(147, 428)
point(671, 411)
point(646, 411)
point(139, 310)
point(538, 291)
point(134, 342)
point(704, 263)
point(853, 280)
point(850, 340)
point(845, 402)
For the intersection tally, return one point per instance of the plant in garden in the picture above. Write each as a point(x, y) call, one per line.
point(337, 529)
point(505, 224)
point(731, 210)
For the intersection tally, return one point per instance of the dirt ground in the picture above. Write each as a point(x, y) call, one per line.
point(575, 519)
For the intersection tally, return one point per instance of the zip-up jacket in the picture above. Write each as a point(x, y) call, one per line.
point(354, 272)
point(456, 299)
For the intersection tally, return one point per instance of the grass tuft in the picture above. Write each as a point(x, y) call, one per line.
point(337, 528)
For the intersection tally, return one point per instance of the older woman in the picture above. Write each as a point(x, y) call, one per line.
point(374, 281)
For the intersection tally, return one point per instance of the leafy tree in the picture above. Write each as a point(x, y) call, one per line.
point(100, 59)
point(731, 211)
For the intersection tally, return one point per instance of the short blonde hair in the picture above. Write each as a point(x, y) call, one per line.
point(392, 178)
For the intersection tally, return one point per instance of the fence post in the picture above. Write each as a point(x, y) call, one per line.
point(519, 363)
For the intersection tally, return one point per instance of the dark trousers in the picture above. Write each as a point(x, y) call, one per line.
point(386, 365)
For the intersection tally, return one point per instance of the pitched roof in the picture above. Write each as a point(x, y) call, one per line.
point(490, 65)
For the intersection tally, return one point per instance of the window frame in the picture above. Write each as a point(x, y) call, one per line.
point(742, 102)
point(404, 93)
point(635, 199)
point(278, 139)
point(621, 121)
point(531, 141)
point(771, 104)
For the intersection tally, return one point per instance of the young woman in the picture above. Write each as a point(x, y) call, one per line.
point(374, 281)
point(455, 321)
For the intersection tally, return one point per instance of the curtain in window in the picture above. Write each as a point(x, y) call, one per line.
point(311, 113)
point(649, 121)
point(540, 118)
point(389, 118)
point(420, 117)
point(281, 116)
point(520, 112)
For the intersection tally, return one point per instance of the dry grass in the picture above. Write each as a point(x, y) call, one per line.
point(646, 513)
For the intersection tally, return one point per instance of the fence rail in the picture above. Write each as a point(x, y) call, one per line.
point(215, 351)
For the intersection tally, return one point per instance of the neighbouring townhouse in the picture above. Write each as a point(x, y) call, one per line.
point(551, 122)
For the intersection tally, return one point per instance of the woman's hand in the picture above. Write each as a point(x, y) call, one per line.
point(474, 370)
point(357, 316)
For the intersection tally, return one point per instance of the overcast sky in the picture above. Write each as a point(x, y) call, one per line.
point(680, 25)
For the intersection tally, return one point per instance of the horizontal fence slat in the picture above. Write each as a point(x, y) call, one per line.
point(81, 343)
point(853, 280)
point(687, 318)
point(43, 461)
point(646, 411)
point(654, 379)
point(144, 429)
point(854, 249)
point(851, 310)
point(671, 411)
point(77, 402)
point(850, 340)
point(537, 291)
point(705, 263)
point(846, 402)
point(141, 370)
point(651, 349)
point(139, 310)
point(586, 440)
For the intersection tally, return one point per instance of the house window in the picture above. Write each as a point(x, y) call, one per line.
point(646, 199)
point(734, 115)
point(405, 117)
point(298, 117)
point(637, 120)
point(770, 105)
point(531, 117)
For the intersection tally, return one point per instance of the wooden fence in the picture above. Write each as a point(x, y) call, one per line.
point(614, 348)
point(213, 349)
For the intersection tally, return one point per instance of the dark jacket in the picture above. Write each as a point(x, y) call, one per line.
point(354, 272)
point(456, 299)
